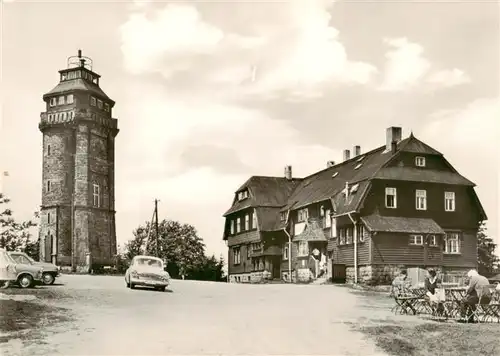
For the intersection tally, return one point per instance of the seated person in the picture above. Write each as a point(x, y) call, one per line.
point(431, 284)
point(478, 292)
point(400, 283)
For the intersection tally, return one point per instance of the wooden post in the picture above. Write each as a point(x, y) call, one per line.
point(156, 226)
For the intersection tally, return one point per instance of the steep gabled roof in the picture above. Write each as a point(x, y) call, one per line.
point(264, 192)
point(275, 194)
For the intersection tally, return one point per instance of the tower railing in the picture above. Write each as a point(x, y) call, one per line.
point(69, 116)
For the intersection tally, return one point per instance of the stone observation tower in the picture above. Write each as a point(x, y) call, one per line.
point(77, 227)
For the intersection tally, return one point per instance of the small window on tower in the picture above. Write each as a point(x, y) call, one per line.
point(69, 99)
point(61, 100)
point(48, 186)
point(96, 195)
point(48, 150)
point(92, 101)
point(63, 76)
point(106, 107)
point(48, 218)
point(94, 80)
point(99, 104)
point(53, 102)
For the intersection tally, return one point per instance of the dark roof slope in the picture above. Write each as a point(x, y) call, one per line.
point(324, 184)
point(401, 224)
point(416, 146)
point(264, 192)
point(330, 183)
point(422, 175)
point(77, 84)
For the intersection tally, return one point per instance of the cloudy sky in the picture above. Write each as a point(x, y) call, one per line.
point(209, 93)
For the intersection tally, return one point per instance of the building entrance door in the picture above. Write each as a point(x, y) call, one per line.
point(276, 267)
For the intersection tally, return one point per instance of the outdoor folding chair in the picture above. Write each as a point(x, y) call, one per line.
point(479, 312)
point(405, 299)
point(489, 312)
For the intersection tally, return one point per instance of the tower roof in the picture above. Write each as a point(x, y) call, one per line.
point(79, 76)
point(77, 84)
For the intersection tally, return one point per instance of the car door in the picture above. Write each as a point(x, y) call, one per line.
point(6, 274)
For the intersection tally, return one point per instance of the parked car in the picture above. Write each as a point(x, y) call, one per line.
point(25, 275)
point(50, 270)
point(147, 271)
point(8, 273)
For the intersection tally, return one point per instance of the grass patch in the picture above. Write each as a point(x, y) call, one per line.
point(436, 339)
point(21, 319)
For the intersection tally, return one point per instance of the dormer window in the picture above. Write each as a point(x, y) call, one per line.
point(283, 216)
point(360, 159)
point(420, 161)
point(243, 195)
point(335, 174)
point(358, 166)
point(354, 188)
point(92, 101)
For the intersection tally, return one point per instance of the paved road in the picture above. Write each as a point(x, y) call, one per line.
point(100, 316)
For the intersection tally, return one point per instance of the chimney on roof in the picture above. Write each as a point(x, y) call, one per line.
point(393, 134)
point(357, 150)
point(347, 155)
point(288, 172)
point(330, 164)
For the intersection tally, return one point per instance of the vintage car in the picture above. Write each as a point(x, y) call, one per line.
point(50, 270)
point(147, 271)
point(26, 275)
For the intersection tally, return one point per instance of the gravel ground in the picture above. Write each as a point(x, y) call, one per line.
point(98, 315)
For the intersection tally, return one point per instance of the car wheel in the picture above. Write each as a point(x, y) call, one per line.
point(132, 285)
point(25, 281)
point(48, 279)
point(160, 289)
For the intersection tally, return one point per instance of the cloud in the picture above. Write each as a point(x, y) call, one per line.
point(449, 77)
point(294, 47)
point(405, 64)
point(221, 159)
point(475, 126)
point(175, 29)
point(468, 137)
point(407, 67)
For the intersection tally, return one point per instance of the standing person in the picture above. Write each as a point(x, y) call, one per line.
point(478, 292)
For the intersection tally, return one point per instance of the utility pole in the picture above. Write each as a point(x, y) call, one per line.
point(156, 226)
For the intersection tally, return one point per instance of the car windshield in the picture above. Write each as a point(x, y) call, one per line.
point(148, 262)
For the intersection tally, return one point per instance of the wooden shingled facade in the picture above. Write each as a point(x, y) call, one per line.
point(402, 204)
